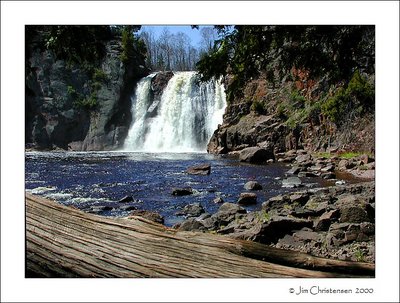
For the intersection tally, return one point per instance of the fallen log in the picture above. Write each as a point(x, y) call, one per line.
point(63, 241)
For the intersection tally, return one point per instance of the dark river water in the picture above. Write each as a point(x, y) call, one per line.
point(87, 179)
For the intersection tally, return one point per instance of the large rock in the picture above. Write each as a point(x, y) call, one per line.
point(182, 191)
point(294, 170)
point(306, 235)
point(247, 198)
point(191, 210)
point(227, 213)
point(159, 82)
point(255, 155)
point(231, 208)
point(354, 214)
point(325, 220)
point(201, 169)
point(252, 185)
point(218, 200)
point(274, 229)
point(274, 202)
point(191, 224)
point(303, 158)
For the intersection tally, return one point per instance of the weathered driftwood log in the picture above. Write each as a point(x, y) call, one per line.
point(65, 242)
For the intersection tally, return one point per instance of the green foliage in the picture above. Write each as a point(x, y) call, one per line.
point(85, 102)
point(361, 90)
point(258, 107)
point(214, 64)
point(296, 98)
point(77, 44)
point(99, 75)
point(359, 255)
point(88, 103)
point(335, 106)
point(71, 91)
point(131, 46)
point(325, 155)
point(247, 51)
point(127, 46)
point(280, 110)
point(300, 110)
point(96, 85)
point(357, 98)
point(263, 216)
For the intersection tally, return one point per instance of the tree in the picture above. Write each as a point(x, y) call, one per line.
point(332, 51)
point(208, 36)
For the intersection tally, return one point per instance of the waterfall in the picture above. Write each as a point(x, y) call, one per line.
point(183, 120)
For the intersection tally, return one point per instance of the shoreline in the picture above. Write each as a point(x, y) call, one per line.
point(309, 229)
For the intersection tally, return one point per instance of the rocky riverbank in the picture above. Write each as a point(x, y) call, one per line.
point(336, 222)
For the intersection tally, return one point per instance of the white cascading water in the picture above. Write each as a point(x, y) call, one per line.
point(186, 116)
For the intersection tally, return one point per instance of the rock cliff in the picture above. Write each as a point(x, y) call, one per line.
point(288, 116)
point(73, 107)
point(295, 87)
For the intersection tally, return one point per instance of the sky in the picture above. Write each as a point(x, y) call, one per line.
point(194, 34)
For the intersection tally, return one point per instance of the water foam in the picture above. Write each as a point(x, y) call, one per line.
point(184, 120)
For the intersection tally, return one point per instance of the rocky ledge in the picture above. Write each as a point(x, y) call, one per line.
point(335, 222)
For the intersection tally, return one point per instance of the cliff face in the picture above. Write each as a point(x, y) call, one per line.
point(69, 107)
point(269, 127)
point(295, 87)
point(291, 114)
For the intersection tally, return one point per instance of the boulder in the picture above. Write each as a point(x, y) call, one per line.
point(365, 159)
point(345, 164)
point(294, 170)
point(191, 224)
point(159, 83)
point(307, 235)
point(255, 155)
point(225, 214)
point(182, 191)
point(367, 228)
point(203, 216)
point(303, 158)
point(275, 202)
point(352, 232)
point(328, 168)
point(354, 214)
point(247, 199)
point(253, 185)
point(191, 210)
point(325, 220)
point(231, 208)
point(274, 229)
point(218, 200)
point(201, 169)
point(149, 215)
point(300, 198)
point(301, 212)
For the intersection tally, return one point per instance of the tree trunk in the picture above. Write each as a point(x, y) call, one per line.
point(63, 241)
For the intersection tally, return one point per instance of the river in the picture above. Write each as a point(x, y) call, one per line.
point(90, 179)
